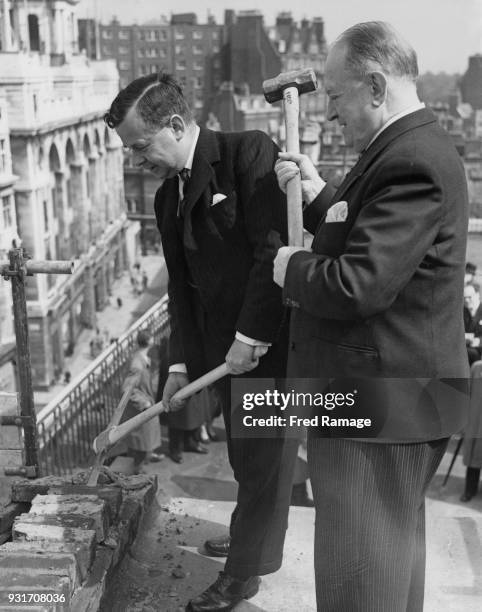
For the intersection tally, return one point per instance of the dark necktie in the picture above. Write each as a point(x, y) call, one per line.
point(184, 176)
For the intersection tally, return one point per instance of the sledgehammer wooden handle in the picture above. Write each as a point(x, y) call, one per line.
point(112, 435)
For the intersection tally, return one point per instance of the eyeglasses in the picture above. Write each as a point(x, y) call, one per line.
point(141, 148)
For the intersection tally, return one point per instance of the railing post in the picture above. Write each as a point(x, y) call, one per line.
point(27, 406)
point(16, 269)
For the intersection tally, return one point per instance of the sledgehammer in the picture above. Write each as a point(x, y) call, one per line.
point(288, 86)
point(111, 435)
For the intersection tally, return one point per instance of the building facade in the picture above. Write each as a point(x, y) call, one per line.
point(8, 238)
point(181, 46)
point(69, 195)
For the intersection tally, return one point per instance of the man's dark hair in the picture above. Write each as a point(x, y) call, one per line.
point(377, 42)
point(156, 97)
point(470, 268)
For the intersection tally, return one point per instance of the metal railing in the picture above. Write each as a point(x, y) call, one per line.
point(68, 424)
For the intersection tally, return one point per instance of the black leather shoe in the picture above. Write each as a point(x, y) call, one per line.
point(299, 496)
point(224, 594)
point(196, 447)
point(466, 497)
point(217, 547)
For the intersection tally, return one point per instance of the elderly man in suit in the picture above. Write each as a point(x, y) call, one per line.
point(222, 217)
point(377, 307)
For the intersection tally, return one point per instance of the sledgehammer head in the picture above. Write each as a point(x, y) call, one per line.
point(303, 80)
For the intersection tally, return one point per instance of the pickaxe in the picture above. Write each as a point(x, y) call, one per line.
point(114, 433)
point(288, 86)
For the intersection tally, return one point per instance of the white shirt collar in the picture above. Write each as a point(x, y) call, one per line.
point(190, 158)
point(407, 111)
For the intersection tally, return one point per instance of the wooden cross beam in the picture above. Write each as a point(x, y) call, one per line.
point(16, 269)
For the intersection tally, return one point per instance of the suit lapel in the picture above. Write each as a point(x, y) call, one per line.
point(202, 173)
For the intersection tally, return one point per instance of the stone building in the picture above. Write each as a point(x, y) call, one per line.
point(8, 238)
point(471, 82)
point(69, 194)
point(181, 46)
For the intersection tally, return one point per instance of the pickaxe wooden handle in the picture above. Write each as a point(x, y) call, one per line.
point(111, 435)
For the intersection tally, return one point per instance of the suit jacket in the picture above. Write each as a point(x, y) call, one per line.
point(473, 325)
point(378, 304)
point(220, 256)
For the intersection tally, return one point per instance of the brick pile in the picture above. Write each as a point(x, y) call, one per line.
point(71, 539)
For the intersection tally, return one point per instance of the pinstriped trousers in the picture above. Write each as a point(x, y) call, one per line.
point(370, 523)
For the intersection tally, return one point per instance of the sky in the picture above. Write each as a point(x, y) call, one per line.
point(443, 32)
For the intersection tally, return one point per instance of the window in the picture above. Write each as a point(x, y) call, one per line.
point(215, 48)
point(215, 35)
point(197, 50)
point(151, 52)
point(106, 34)
point(179, 49)
point(197, 34)
point(46, 216)
point(198, 65)
point(123, 50)
point(181, 64)
point(7, 211)
point(124, 65)
point(3, 156)
point(179, 34)
point(162, 53)
point(162, 35)
point(124, 34)
point(141, 52)
point(106, 50)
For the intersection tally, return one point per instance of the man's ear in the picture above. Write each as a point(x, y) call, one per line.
point(378, 88)
point(178, 126)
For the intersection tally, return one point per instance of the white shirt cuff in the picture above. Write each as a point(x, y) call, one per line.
point(179, 368)
point(242, 338)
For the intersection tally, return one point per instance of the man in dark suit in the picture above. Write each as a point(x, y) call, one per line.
point(222, 217)
point(472, 321)
point(377, 310)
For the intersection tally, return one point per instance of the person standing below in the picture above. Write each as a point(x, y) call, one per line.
point(221, 217)
point(473, 432)
point(377, 305)
point(143, 374)
point(472, 321)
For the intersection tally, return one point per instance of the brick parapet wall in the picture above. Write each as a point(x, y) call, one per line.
point(72, 537)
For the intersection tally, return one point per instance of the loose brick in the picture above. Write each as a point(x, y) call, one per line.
point(39, 582)
point(72, 521)
point(25, 490)
point(84, 553)
point(111, 494)
point(59, 564)
point(29, 532)
point(84, 505)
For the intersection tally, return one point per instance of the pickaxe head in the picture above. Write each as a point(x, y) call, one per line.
point(303, 80)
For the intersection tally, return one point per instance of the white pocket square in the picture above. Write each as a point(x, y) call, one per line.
point(338, 212)
point(218, 197)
